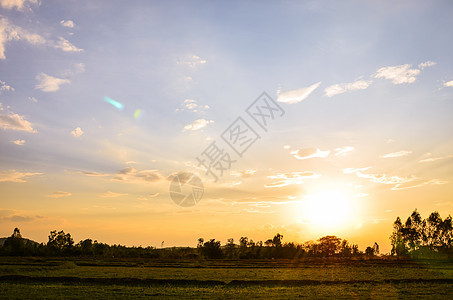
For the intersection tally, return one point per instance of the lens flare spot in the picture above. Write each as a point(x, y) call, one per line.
point(117, 104)
point(137, 114)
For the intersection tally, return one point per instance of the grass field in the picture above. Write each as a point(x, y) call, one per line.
point(140, 278)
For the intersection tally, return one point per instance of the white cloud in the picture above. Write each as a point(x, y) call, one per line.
point(289, 178)
point(306, 153)
point(15, 122)
point(197, 124)
point(295, 96)
point(340, 88)
point(397, 154)
point(243, 174)
point(110, 194)
point(66, 46)
point(384, 179)
point(193, 106)
point(425, 64)
point(15, 176)
point(131, 174)
point(431, 159)
point(398, 74)
point(355, 170)
point(192, 61)
point(48, 83)
point(19, 142)
point(93, 174)
point(33, 99)
point(417, 183)
point(9, 32)
point(398, 182)
point(343, 151)
point(449, 83)
point(67, 23)
point(77, 132)
point(79, 68)
point(5, 87)
point(18, 4)
point(59, 194)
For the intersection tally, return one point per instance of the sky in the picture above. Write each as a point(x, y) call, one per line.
point(104, 103)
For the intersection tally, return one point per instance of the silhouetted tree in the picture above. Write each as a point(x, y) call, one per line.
point(15, 244)
point(329, 245)
point(60, 242)
point(211, 249)
point(422, 237)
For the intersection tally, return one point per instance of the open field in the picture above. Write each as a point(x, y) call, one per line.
point(137, 278)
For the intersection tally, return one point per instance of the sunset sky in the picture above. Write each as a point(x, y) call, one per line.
point(101, 102)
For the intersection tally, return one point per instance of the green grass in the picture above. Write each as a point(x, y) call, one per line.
point(66, 279)
point(345, 291)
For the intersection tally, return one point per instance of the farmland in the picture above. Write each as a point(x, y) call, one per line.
point(138, 278)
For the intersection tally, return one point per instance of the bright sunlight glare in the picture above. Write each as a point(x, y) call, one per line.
point(328, 210)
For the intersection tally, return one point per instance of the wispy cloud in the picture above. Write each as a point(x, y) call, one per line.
point(193, 106)
point(289, 178)
point(243, 174)
point(17, 4)
point(48, 83)
point(5, 87)
point(397, 154)
point(15, 122)
point(401, 73)
point(426, 64)
point(192, 61)
point(66, 46)
point(131, 174)
point(59, 194)
point(448, 83)
point(306, 153)
point(417, 183)
point(77, 132)
point(110, 194)
point(67, 23)
point(19, 142)
point(295, 96)
point(197, 124)
point(343, 151)
point(9, 32)
point(341, 88)
point(355, 170)
point(431, 159)
point(93, 174)
point(15, 176)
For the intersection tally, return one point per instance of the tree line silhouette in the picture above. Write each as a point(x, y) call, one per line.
point(419, 237)
point(416, 238)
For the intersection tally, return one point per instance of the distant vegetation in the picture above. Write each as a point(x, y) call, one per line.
point(419, 237)
point(416, 238)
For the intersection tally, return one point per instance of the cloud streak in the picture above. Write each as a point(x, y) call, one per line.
point(9, 32)
point(296, 96)
point(131, 174)
point(110, 194)
point(397, 154)
point(15, 122)
point(59, 194)
point(307, 153)
point(47, 83)
point(341, 88)
point(197, 125)
point(15, 176)
point(289, 178)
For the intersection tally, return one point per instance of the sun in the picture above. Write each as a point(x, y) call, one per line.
point(329, 210)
